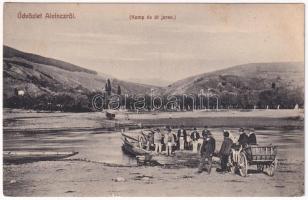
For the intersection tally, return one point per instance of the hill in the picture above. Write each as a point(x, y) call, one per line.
point(46, 78)
point(274, 83)
point(9, 52)
point(49, 82)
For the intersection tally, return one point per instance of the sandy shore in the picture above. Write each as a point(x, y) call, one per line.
point(77, 178)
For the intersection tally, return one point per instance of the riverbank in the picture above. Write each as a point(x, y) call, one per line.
point(224, 118)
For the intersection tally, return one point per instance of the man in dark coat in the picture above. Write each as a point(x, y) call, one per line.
point(204, 131)
point(194, 135)
point(243, 139)
point(182, 138)
point(207, 150)
point(252, 139)
point(225, 151)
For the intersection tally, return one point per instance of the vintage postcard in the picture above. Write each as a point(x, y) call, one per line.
point(201, 100)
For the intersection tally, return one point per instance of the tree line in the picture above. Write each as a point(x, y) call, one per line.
point(83, 102)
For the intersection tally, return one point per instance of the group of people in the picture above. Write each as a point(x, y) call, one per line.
point(229, 145)
point(171, 141)
point(205, 143)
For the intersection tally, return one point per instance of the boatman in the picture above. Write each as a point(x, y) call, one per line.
point(195, 137)
point(207, 150)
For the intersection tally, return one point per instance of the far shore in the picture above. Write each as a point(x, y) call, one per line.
point(29, 120)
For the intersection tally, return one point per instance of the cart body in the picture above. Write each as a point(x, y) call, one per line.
point(264, 157)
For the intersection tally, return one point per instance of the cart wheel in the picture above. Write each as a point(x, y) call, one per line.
point(272, 167)
point(242, 165)
point(260, 168)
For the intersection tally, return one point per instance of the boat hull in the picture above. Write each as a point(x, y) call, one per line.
point(25, 157)
point(131, 149)
point(179, 158)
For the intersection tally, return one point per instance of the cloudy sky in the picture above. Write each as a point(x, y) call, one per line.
point(202, 38)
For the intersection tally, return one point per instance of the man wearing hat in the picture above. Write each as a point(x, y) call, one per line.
point(203, 135)
point(204, 131)
point(157, 141)
point(150, 141)
point(182, 138)
point(225, 151)
point(169, 140)
point(243, 139)
point(195, 137)
point(207, 150)
point(252, 139)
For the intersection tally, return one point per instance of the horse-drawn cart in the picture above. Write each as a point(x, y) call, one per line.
point(264, 157)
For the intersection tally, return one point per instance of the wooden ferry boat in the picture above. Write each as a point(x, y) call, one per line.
point(133, 146)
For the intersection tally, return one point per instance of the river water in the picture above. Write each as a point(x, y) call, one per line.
point(106, 147)
point(95, 147)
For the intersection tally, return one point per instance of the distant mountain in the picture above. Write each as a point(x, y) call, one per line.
point(39, 76)
point(254, 76)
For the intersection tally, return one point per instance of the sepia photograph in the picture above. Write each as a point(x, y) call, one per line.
point(153, 100)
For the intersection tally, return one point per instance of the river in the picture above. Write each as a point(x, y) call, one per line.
point(106, 147)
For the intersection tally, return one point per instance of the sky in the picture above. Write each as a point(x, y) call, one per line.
point(200, 38)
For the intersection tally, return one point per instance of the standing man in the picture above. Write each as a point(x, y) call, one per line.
point(157, 141)
point(150, 141)
point(225, 151)
point(207, 150)
point(252, 139)
point(195, 137)
point(174, 145)
point(243, 139)
point(169, 140)
point(182, 138)
point(204, 132)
